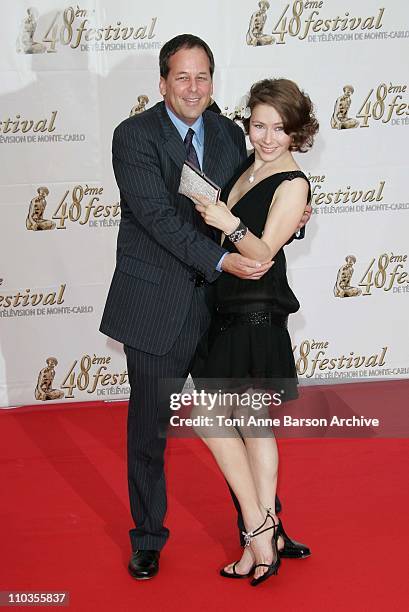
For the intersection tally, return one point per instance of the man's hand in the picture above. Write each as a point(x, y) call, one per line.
point(243, 267)
point(305, 218)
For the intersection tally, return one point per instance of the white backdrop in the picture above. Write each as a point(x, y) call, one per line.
point(70, 74)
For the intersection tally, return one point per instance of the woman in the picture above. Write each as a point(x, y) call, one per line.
point(260, 210)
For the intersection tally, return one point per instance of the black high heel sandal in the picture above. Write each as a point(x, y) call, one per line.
point(274, 566)
point(292, 549)
point(234, 574)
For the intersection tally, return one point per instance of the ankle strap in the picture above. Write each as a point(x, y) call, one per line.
point(252, 534)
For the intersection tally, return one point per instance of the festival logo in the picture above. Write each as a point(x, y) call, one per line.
point(24, 126)
point(255, 36)
point(310, 20)
point(90, 374)
point(343, 286)
point(340, 119)
point(313, 359)
point(44, 302)
point(35, 219)
point(347, 199)
point(18, 129)
point(27, 298)
point(140, 105)
point(362, 198)
point(80, 205)
point(384, 104)
point(44, 390)
point(386, 273)
point(77, 29)
point(25, 40)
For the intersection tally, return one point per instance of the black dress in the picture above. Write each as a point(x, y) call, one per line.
point(248, 336)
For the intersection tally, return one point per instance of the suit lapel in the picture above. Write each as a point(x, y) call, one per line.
point(213, 153)
point(213, 145)
point(172, 141)
point(173, 144)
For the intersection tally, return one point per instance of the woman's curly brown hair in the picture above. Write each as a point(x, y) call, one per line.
point(294, 107)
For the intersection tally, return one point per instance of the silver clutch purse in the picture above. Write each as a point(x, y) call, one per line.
point(194, 183)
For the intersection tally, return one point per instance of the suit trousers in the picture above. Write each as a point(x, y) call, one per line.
point(148, 416)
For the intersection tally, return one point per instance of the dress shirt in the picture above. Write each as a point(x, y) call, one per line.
point(197, 127)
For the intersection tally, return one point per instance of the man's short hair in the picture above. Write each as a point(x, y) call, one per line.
point(183, 41)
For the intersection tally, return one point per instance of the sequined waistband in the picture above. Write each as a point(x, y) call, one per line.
point(226, 320)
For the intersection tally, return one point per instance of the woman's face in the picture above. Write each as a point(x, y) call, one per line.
point(266, 133)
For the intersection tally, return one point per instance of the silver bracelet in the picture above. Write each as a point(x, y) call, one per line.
point(239, 233)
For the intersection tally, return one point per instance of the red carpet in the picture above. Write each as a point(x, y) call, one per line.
point(64, 519)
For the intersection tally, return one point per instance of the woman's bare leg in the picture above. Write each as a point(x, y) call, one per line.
point(262, 454)
point(241, 460)
point(232, 457)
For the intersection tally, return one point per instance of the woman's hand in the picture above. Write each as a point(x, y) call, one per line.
point(305, 218)
point(217, 215)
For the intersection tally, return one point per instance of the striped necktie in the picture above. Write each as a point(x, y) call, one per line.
point(191, 154)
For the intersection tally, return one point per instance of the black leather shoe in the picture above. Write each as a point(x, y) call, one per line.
point(144, 564)
point(292, 549)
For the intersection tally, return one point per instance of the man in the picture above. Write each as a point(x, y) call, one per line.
point(166, 255)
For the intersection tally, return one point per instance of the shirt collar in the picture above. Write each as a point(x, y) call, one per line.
point(182, 128)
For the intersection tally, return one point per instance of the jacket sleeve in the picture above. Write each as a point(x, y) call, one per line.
point(139, 178)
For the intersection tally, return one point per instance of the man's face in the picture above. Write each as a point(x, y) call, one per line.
point(188, 87)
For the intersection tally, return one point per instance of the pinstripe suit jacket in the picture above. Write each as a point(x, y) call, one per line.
point(159, 250)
